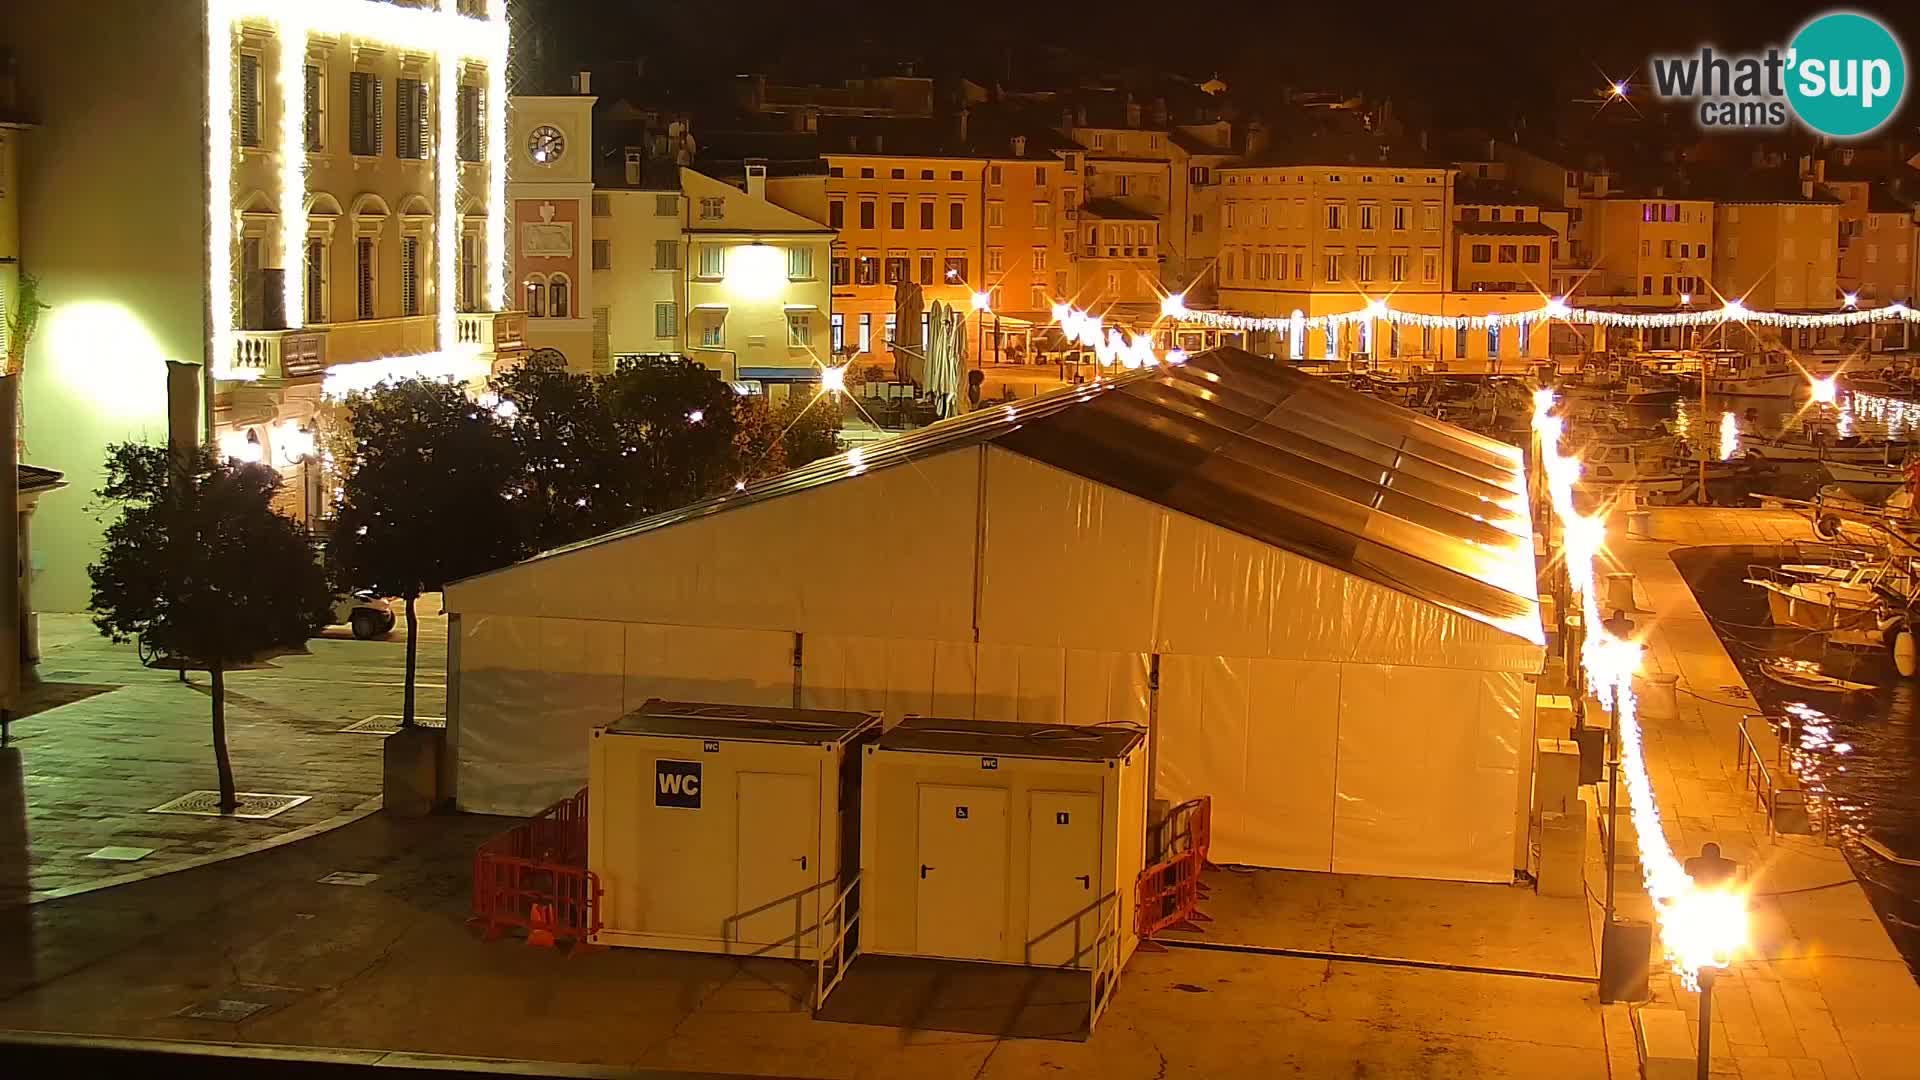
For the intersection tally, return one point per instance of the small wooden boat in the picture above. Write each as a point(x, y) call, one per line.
point(1845, 472)
point(1806, 675)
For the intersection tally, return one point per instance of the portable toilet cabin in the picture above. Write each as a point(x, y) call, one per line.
point(1009, 843)
point(720, 828)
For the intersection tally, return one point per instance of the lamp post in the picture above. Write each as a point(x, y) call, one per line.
point(1702, 1060)
point(982, 304)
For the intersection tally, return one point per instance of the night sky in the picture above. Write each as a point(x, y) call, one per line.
point(1487, 63)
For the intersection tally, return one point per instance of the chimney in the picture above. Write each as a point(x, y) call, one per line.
point(960, 121)
point(1133, 112)
point(1806, 187)
point(757, 180)
point(1066, 119)
point(633, 167)
point(1256, 138)
point(878, 142)
point(1019, 146)
point(1080, 116)
point(1159, 112)
point(583, 82)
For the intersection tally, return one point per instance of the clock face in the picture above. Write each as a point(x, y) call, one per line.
point(545, 144)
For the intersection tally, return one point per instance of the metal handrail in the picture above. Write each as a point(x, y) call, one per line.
point(1769, 783)
point(1105, 974)
point(1754, 772)
point(843, 924)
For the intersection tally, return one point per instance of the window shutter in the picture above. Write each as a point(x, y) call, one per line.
point(357, 113)
point(405, 117)
point(410, 276)
point(602, 346)
point(249, 100)
point(379, 114)
point(313, 108)
point(421, 119)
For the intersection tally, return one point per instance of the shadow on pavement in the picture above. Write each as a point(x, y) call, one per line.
point(953, 995)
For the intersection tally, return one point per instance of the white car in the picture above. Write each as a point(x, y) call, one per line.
point(369, 615)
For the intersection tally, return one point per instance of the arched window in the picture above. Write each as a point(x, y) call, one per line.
point(536, 296)
point(559, 298)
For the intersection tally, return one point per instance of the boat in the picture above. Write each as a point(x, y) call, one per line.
point(1863, 475)
point(1806, 675)
point(1829, 598)
point(1816, 443)
point(1777, 373)
point(1649, 389)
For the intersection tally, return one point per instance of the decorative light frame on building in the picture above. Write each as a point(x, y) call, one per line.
point(443, 33)
point(1174, 307)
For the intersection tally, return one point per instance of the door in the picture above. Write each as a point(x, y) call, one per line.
point(1063, 878)
point(253, 285)
point(774, 898)
point(961, 911)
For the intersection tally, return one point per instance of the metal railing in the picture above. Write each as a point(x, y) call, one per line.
point(1774, 787)
point(1104, 972)
point(838, 953)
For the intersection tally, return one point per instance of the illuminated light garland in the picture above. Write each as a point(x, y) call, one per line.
point(446, 219)
point(461, 365)
point(438, 32)
point(1555, 309)
point(1110, 347)
point(1699, 927)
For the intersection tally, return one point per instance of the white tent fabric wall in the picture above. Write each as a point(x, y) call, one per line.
point(1339, 724)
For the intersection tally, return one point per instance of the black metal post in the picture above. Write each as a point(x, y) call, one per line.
point(1613, 798)
point(1706, 1020)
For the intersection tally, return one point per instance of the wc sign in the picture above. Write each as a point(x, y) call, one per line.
point(676, 783)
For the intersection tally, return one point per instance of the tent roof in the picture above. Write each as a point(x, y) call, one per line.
point(1419, 506)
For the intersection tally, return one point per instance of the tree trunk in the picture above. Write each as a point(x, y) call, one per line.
point(413, 643)
point(228, 799)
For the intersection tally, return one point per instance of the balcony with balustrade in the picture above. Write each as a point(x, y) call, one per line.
point(310, 350)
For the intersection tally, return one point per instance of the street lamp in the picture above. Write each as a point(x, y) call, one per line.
point(982, 303)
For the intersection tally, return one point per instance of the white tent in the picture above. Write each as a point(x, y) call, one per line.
point(1321, 605)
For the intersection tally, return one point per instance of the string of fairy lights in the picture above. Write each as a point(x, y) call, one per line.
point(1555, 309)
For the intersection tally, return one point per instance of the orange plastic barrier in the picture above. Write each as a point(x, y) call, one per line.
point(1167, 896)
point(1188, 827)
point(534, 876)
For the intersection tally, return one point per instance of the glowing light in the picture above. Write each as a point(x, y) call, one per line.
point(833, 380)
point(499, 229)
point(463, 366)
point(1619, 89)
point(102, 354)
point(981, 301)
point(696, 416)
point(1825, 391)
point(1060, 312)
point(1557, 308)
point(1176, 356)
point(290, 75)
point(1851, 299)
point(1109, 347)
point(1686, 298)
point(1376, 309)
point(739, 485)
point(292, 444)
point(1173, 306)
point(1729, 436)
point(1734, 308)
point(241, 446)
point(446, 224)
point(1699, 927)
point(755, 271)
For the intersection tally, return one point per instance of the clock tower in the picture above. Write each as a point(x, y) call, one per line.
point(550, 189)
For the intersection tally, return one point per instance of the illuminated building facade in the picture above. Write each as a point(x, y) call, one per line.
point(288, 195)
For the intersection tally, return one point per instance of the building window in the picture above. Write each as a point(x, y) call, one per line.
point(1038, 298)
point(713, 208)
point(993, 175)
point(1366, 266)
point(316, 281)
point(896, 269)
point(1336, 215)
point(1430, 266)
point(412, 119)
point(1366, 215)
point(1400, 217)
point(247, 100)
point(926, 269)
point(713, 261)
point(666, 320)
point(559, 298)
point(956, 215)
point(1483, 253)
point(1430, 216)
point(536, 296)
point(469, 272)
point(316, 108)
point(842, 270)
point(364, 252)
point(1530, 253)
point(799, 330)
point(838, 331)
point(926, 214)
point(1039, 260)
point(799, 263)
point(1333, 267)
point(603, 254)
point(866, 270)
point(603, 206)
point(1460, 343)
point(956, 269)
point(1509, 253)
point(996, 214)
point(996, 261)
point(365, 100)
point(666, 205)
point(713, 334)
point(866, 213)
point(666, 254)
point(1493, 342)
point(890, 331)
point(897, 214)
point(1646, 285)
point(410, 275)
point(1526, 337)
point(865, 344)
point(1397, 267)
point(866, 174)
point(837, 214)
point(1199, 223)
point(926, 174)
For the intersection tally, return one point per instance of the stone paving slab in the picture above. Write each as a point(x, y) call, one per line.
point(1825, 993)
point(103, 740)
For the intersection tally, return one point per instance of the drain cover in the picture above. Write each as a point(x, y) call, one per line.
point(253, 804)
point(120, 854)
point(225, 1010)
point(347, 877)
point(385, 724)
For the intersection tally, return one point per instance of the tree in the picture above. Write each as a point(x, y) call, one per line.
point(427, 497)
point(200, 566)
point(581, 476)
point(771, 439)
point(678, 419)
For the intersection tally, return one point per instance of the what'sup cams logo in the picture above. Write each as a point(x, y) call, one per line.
point(1843, 76)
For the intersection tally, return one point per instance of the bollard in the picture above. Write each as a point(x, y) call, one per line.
point(1625, 946)
point(1620, 592)
point(1658, 694)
